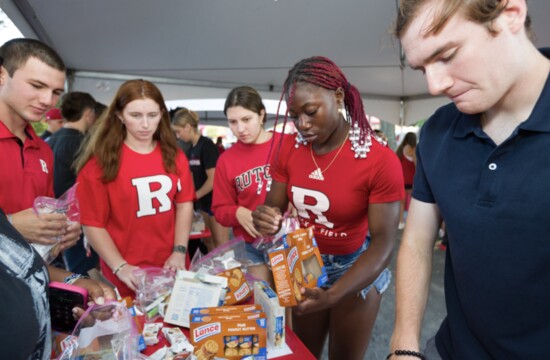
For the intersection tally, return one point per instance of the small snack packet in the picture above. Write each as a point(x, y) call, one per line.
point(150, 333)
point(238, 289)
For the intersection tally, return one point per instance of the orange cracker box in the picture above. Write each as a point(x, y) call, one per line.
point(312, 270)
point(239, 290)
point(295, 265)
point(230, 336)
point(282, 277)
point(219, 310)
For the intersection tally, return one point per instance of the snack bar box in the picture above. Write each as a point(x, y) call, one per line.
point(231, 336)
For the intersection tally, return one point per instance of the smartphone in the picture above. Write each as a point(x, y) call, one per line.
point(63, 298)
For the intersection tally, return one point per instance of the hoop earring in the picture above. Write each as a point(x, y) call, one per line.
point(299, 140)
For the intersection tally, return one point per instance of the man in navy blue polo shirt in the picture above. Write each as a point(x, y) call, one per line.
point(483, 165)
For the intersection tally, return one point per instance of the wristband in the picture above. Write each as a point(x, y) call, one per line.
point(118, 268)
point(179, 248)
point(411, 353)
point(71, 279)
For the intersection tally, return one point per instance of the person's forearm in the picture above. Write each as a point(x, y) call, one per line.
point(58, 274)
point(103, 244)
point(206, 187)
point(414, 271)
point(413, 276)
point(184, 218)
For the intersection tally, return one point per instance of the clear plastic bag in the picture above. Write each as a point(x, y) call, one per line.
point(67, 204)
point(198, 225)
point(289, 224)
point(154, 286)
point(104, 332)
point(227, 256)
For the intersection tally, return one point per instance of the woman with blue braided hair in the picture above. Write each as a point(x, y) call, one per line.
point(345, 184)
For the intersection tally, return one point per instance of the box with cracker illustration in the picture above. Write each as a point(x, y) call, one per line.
point(238, 289)
point(297, 264)
point(231, 336)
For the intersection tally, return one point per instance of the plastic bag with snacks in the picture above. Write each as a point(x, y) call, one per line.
point(67, 205)
point(153, 289)
point(230, 255)
point(103, 332)
point(289, 224)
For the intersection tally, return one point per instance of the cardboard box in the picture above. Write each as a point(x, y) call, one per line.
point(297, 264)
point(275, 313)
point(230, 336)
point(239, 291)
point(219, 310)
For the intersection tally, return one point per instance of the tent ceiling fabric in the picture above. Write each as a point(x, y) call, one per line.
point(224, 43)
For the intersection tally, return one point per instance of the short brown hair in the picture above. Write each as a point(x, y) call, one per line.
point(16, 52)
point(478, 11)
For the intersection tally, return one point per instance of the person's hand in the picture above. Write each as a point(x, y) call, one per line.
point(316, 299)
point(73, 231)
point(244, 217)
point(98, 293)
point(40, 229)
point(175, 262)
point(103, 313)
point(127, 276)
point(267, 220)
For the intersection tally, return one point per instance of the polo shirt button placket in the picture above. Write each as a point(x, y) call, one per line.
point(492, 166)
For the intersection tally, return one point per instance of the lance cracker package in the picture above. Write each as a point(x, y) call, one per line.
point(296, 264)
point(230, 336)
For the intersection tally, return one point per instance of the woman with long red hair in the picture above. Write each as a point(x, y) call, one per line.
point(135, 188)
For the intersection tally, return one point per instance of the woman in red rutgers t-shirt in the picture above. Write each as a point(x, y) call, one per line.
point(241, 177)
point(135, 188)
point(345, 184)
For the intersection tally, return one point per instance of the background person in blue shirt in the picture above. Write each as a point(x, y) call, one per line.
point(483, 165)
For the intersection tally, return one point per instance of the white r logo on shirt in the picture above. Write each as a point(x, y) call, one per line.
point(146, 195)
point(320, 204)
point(44, 166)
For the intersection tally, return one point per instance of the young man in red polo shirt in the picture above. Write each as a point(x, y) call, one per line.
point(32, 78)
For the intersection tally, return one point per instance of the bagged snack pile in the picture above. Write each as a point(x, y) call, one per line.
point(67, 205)
point(104, 332)
point(296, 264)
point(229, 261)
point(153, 291)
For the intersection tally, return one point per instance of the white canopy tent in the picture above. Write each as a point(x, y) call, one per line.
point(199, 49)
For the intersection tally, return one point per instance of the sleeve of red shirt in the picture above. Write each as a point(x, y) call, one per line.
point(282, 150)
point(224, 200)
point(49, 161)
point(187, 191)
point(92, 196)
point(388, 183)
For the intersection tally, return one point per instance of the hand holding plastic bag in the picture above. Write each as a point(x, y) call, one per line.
point(67, 205)
point(289, 224)
point(154, 284)
point(103, 332)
